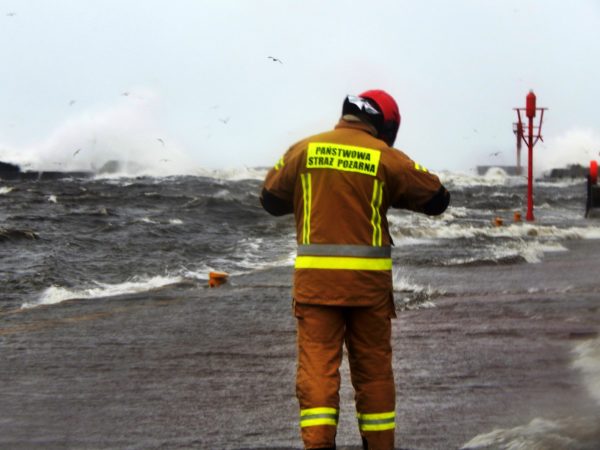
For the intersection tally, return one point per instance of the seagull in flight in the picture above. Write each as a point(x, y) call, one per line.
point(225, 120)
point(76, 151)
point(72, 102)
point(272, 58)
point(11, 14)
point(161, 141)
point(495, 153)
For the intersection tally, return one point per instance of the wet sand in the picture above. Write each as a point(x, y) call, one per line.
point(190, 367)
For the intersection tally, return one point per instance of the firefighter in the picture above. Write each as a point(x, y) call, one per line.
point(339, 186)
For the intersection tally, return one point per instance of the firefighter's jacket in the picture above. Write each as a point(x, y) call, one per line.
point(339, 185)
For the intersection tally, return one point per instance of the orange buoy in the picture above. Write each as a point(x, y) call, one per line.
point(216, 279)
point(498, 221)
point(517, 216)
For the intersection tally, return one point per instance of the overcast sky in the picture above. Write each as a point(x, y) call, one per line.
point(188, 83)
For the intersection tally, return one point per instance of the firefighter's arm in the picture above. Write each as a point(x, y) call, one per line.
point(277, 196)
point(274, 205)
point(417, 189)
point(438, 203)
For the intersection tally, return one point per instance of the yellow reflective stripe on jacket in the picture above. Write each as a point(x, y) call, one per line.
point(377, 421)
point(318, 416)
point(420, 168)
point(376, 213)
point(306, 200)
point(343, 262)
point(280, 163)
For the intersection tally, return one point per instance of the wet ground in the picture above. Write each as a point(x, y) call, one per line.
point(190, 367)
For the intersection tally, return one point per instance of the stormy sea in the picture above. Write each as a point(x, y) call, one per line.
point(111, 338)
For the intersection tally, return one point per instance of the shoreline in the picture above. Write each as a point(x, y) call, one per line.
point(183, 367)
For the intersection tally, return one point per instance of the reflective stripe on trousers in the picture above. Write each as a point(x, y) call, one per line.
point(318, 416)
point(376, 421)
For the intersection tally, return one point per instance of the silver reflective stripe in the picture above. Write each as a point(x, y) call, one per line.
point(359, 251)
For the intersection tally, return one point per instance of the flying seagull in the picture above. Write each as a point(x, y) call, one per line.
point(225, 120)
point(125, 94)
point(76, 151)
point(272, 58)
point(11, 14)
point(72, 102)
point(161, 141)
point(495, 153)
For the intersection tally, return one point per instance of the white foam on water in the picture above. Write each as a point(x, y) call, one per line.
point(235, 173)
point(133, 170)
point(5, 190)
point(531, 252)
point(58, 294)
point(148, 220)
point(560, 183)
point(456, 211)
point(495, 176)
point(223, 193)
point(587, 361)
point(570, 433)
point(444, 230)
point(252, 252)
point(409, 295)
point(199, 273)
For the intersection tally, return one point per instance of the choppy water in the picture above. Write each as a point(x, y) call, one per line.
point(96, 238)
point(108, 236)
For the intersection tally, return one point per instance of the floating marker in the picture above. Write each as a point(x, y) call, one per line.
point(498, 221)
point(517, 216)
point(216, 279)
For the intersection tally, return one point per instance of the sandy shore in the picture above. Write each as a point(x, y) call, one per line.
point(189, 367)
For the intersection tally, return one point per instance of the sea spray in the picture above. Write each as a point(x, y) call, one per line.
point(127, 132)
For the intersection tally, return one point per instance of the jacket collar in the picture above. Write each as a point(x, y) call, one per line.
point(353, 122)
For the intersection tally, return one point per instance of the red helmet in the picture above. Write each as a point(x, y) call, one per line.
point(386, 104)
point(391, 114)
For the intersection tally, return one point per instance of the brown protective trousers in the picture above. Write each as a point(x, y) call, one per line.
point(366, 331)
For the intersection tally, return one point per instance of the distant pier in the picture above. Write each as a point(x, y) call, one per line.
point(13, 172)
point(571, 171)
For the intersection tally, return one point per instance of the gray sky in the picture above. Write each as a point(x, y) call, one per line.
point(197, 76)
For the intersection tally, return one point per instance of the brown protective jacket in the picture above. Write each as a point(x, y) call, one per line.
point(340, 185)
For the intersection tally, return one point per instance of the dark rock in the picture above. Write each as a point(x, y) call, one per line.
point(9, 171)
point(11, 233)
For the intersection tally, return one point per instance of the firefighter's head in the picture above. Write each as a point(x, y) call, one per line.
point(379, 109)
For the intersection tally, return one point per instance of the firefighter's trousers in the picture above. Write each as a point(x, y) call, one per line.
point(321, 333)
